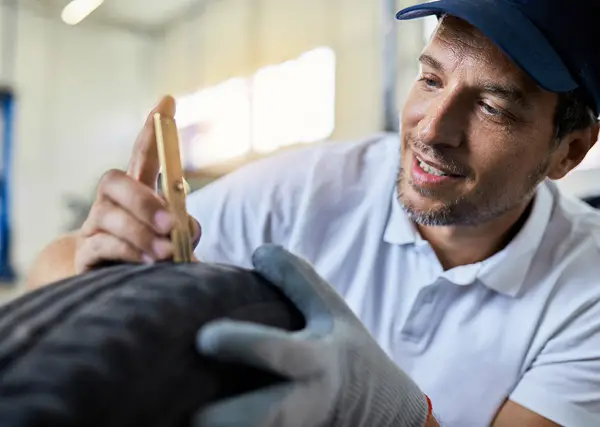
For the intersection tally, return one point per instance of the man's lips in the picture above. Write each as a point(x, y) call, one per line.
point(447, 170)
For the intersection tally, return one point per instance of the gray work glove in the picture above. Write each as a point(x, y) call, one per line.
point(338, 375)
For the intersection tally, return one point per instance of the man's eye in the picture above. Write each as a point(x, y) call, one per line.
point(430, 82)
point(490, 110)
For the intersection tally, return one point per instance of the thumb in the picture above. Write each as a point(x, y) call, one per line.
point(291, 355)
point(144, 164)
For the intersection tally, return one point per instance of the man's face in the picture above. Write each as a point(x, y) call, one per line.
point(477, 133)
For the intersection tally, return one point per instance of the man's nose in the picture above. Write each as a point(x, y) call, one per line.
point(444, 121)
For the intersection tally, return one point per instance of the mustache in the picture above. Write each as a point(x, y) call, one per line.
point(437, 156)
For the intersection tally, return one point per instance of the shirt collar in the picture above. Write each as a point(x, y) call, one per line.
point(399, 229)
point(505, 271)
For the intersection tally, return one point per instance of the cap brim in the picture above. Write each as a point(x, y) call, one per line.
point(512, 32)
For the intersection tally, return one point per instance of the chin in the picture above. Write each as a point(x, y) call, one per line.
point(413, 203)
point(411, 197)
point(425, 210)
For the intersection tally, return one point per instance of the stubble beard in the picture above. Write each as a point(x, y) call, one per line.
point(477, 208)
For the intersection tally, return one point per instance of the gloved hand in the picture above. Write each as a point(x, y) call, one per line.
point(338, 375)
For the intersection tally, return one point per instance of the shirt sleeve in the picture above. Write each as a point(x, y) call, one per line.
point(247, 208)
point(563, 383)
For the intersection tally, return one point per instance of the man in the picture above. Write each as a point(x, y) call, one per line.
point(452, 245)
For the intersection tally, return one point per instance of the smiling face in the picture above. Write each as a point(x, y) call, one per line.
point(477, 133)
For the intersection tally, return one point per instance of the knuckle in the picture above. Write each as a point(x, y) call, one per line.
point(109, 178)
point(90, 225)
point(112, 174)
point(100, 209)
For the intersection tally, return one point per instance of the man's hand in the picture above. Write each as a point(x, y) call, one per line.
point(338, 375)
point(129, 221)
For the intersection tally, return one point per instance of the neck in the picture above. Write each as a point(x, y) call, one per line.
point(458, 245)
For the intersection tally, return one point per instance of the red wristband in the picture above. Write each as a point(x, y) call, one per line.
point(429, 409)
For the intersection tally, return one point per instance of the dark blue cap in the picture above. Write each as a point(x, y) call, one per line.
point(556, 42)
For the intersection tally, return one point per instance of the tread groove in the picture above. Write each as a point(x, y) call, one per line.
point(116, 346)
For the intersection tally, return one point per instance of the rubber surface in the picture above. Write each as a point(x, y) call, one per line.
point(115, 347)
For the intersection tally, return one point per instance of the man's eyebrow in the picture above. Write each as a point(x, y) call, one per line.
point(509, 93)
point(431, 61)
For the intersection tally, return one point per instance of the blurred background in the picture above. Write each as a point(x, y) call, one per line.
point(251, 77)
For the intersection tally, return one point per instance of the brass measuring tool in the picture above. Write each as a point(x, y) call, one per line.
point(173, 185)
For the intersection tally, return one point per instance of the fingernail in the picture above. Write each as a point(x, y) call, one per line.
point(163, 221)
point(161, 248)
point(147, 259)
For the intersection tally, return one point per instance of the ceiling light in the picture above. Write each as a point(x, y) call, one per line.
point(78, 10)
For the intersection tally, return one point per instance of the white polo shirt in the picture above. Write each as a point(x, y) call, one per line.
point(524, 324)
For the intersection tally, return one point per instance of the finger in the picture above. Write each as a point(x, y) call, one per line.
point(298, 280)
point(109, 218)
point(103, 247)
point(144, 164)
point(143, 203)
point(255, 409)
point(263, 347)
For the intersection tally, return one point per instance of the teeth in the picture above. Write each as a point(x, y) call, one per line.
point(431, 170)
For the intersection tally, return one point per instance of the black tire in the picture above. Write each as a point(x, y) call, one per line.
point(115, 347)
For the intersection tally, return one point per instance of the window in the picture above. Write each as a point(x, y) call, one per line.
point(280, 105)
point(214, 124)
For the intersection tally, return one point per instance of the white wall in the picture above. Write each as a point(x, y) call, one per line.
point(82, 93)
point(236, 37)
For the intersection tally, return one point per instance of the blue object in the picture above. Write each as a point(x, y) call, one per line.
point(554, 41)
point(7, 272)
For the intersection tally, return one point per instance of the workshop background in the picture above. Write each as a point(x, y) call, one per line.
point(251, 77)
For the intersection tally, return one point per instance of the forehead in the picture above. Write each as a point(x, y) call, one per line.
point(457, 44)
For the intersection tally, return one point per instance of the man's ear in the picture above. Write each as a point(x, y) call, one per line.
point(572, 150)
